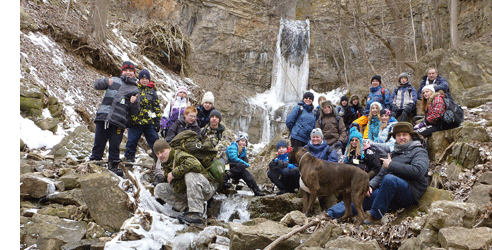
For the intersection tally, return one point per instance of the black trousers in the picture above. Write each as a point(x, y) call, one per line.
point(114, 135)
point(285, 179)
point(238, 171)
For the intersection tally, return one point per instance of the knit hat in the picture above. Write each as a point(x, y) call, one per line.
point(385, 112)
point(326, 103)
point(182, 89)
point(377, 77)
point(378, 104)
point(242, 135)
point(160, 145)
point(128, 65)
point(358, 135)
point(144, 73)
point(404, 74)
point(308, 94)
point(282, 143)
point(216, 113)
point(208, 97)
point(318, 132)
point(344, 98)
point(429, 87)
point(402, 127)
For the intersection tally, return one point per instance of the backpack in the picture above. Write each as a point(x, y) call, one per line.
point(189, 142)
point(454, 113)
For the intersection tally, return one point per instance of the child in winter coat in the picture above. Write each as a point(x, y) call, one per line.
point(174, 109)
point(317, 110)
point(185, 122)
point(282, 173)
point(403, 100)
point(384, 144)
point(301, 120)
point(377, 94)
point(334, 130)
point(204, 109)
point(356, 110)
point(343, 111)
point(147, 120)
point(119, 101)
point(237, 159)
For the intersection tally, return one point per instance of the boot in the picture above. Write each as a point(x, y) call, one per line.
point(113, 166)
point(254, 187)
point(226, 184)
point(190, 218)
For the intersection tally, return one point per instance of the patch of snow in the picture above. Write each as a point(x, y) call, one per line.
point(34, 137)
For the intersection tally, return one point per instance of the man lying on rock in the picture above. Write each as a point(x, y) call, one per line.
point(401, 182)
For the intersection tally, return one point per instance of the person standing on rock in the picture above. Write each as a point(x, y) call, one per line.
point(174, 109)
point(301, 121)
point(148, 118)
point(403, 100)
point(186, 183)
point(113, 116)
point(400, 183)
point(332, 125)
point(438, 82)
point(204, 109)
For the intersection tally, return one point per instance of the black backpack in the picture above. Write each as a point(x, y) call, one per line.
point(454, 113)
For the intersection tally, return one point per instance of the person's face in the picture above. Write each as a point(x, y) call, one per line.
point(214, 121)
point(308, 100)
point(344, 103)
point(163, 155)
point(316, 139)
point(375, 83)
point(327, 109)
point(282, 150)
point(385, 118)
point(354, 142)
point(242, 143)
point(374, 110)
point(427, 93)
point(403, 80)
point(144, 82)
point(402, 138)
point(355, 102)
point(128, 72)
point(207, 105)
point(431, 74)
point(182, 94)
point(190, 117)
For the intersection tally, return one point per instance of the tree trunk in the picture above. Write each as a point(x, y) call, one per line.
point(399, 23)
point(455, 36)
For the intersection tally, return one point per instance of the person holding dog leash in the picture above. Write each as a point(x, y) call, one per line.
point(401, 182)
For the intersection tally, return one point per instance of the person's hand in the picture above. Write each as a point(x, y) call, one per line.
point(110, 80)
point(366, 144)
point(369, 192)
point(387, 161)
point(133, 98)
point(418, 126)
point(170, 177)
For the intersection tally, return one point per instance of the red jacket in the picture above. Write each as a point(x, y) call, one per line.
point(436, 109)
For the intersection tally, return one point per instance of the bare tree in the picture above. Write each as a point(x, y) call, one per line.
point(97, 20)
point(455, 36)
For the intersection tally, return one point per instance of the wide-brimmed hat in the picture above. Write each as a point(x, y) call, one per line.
point(402, 127)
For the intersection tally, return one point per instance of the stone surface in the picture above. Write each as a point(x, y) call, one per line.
point(345, 242)
point(52, 227)
point(430, 196)
point(480, 196)
point(444, 214)
point(465, 238)
point(36, 186)
point(77, 144)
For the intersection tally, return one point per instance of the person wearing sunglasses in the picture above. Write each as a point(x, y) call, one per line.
point(301, 121)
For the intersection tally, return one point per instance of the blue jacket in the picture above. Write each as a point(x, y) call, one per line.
point(403, 97)
point(440, 83)
point(322, 151)
point(378, 94)
point(232, 155)
point(300, 127)
point(284, 157)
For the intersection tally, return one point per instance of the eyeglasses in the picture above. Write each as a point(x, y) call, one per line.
point(354, 139)
point(192, 116)
point(309, 98)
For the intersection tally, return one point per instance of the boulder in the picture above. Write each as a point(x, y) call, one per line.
point(77, 144)
point(430, 196)
point(485, 178)
point(36, 186)
point(259, 233)
point(69, 197)
point(94, 231)
point(347, 242)
point(26, 22)
point(58, 210)
point(480, 196)
point(294, 218)
point(452, 213)
point(52, 227)
point(465, 238)
point(466, 155)
point(325, 233)
point(50, 124)
point(106, 201)
point(70, 180)
point(275, 207)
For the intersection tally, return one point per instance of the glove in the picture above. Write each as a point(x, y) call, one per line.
point(418, 126)
point(159, 179)
point(408, 109)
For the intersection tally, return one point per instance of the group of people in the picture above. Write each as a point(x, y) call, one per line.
point(376, 138)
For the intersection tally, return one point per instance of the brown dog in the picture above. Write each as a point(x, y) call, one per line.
point(323, 178)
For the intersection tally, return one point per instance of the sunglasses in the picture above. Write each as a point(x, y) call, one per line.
point(354, 139)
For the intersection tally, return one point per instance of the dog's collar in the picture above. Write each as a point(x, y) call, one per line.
point(303, 157)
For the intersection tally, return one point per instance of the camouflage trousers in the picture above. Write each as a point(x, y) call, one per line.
point(198, 190)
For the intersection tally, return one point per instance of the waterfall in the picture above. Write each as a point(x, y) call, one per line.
point(289, 76)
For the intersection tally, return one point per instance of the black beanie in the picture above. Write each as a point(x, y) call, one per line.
point(377, 77)
point(144, 73)
point(128, 65)
point(344, 98)
point(308, 94)
point(216, 113)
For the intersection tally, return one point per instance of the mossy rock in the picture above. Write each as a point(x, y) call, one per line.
point(430, 195)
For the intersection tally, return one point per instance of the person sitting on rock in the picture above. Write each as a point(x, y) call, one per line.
point(237, 159)
point(319, 148)
point(185, 122)
point(343, 111)
point(354, 155)
point(186, 183)
point(174, 110)
point(332, 125)
point(384, 143)
point(204, 109)
point(403, 100)
point(433, 107)
point(356, 111)
point(400, 183)
point(377, 94)
point(438, 82)
point(282, 173)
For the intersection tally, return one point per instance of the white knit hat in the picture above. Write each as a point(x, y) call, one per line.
point(378, 104)
point(429, 87)
point(208, 97)
point(182, 89)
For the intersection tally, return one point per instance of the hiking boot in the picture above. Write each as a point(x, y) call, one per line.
point(370, 220)
point(113, 166)
point(258, 192)
point(190, 218)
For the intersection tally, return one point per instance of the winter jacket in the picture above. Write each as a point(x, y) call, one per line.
point(370, 162)
point(234, 157)
point(180, 163)
point(355, 113)
point(173, 111)
point(221, 138)
point(378, 94)
point(282, 161)
point(300, 126)
point(435, 109)
point(362, 121)
point(203, 116)
point(403, 97)
point(180, 126)
point(409, 162)
point(150, 107)
point(356, 134)
point(116, 107)
point(333, 127)
point(373, 131)
point(322, 151)
point(440, 83)
point(382, 142)
point(345, 113)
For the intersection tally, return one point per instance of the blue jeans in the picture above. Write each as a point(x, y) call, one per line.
point(393, 193)
point(134, 134)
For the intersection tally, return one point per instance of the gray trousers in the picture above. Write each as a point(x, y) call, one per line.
point(198, 190)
